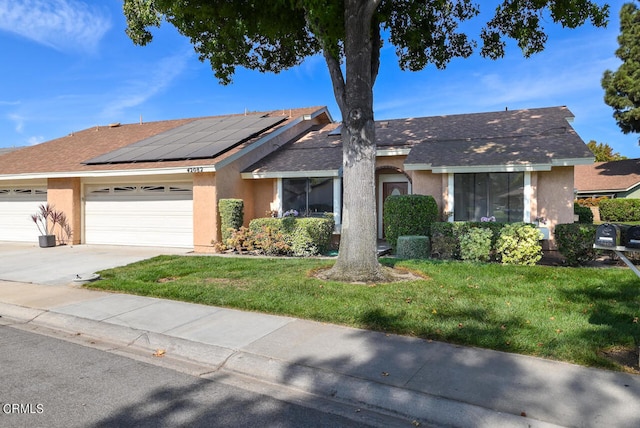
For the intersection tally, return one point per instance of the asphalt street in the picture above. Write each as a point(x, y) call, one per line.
point(47, 382)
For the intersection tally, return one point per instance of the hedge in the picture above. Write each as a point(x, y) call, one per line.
point(585, 215)
point(231, 216)
point(413, 247)
point(445, 237)
point(620, 210)
point(306, 236)
point(408, 215)
point(575, 242)
point(510, 243)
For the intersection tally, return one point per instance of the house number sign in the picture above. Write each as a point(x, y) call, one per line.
point(195, 169)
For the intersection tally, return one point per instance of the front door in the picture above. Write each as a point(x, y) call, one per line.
point(392, 184)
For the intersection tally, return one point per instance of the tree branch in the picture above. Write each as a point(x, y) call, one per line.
point(371, 7)
point(337, 78)
point(376, 45)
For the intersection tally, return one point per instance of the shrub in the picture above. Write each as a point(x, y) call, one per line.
point(585, 215)
point(241, 239)
point(444, 242)
point(306, 236)
point(575, 242)
point(231, 216)
point(620, 210)
point(475, 244)
point(445, 237)
point(591, 202)
point(271, 242)
point(519, 244)
point(413, 247)
point(408, 215)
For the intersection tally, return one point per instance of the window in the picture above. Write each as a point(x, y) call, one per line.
point(312, 197)
point(499, 195)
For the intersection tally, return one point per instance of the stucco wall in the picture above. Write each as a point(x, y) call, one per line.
point(263, 196)
point(64, 195)
point(396, 162)
point(205, 212)
point(227, 182)
point(553, 193)
point(428, 183)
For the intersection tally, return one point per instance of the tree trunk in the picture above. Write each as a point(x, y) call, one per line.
point(358, 258)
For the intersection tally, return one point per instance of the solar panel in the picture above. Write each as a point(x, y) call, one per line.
point(204, 138)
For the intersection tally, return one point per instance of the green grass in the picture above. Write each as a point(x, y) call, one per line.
point(568, 314)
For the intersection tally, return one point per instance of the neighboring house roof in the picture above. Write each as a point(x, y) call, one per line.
point(4, 150)
point(68, 155)
point(607, 177)
point(533, 139)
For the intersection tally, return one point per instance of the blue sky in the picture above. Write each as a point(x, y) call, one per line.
point(67, 66)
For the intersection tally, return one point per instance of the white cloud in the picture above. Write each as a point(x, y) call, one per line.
point(64, 25)
point(18, 122)
point(32, 141)
point(149, 81)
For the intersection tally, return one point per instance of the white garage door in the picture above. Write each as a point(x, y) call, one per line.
point(144, 215)
point(16, 208)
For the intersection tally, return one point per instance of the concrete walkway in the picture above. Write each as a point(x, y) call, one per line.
point(434, 383)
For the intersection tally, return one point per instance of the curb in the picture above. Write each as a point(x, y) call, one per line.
point(201, 359)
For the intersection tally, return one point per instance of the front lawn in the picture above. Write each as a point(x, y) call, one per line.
point(569, 314)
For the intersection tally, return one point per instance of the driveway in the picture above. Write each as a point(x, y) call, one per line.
point(25, 262)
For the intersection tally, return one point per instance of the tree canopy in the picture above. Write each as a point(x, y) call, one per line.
point(622, 87)
point(275, 35)
point(604, 152)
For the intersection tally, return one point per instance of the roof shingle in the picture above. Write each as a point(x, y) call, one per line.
point(518, 137)
point(615, 176)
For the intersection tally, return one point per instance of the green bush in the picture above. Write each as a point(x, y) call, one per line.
point(585, 215)
point(413, 247)
point(444, 241)
point(306, 236)
point(231, 217)
point(475, 244)
point(620, 210)
point(445, 237)
point(519, 244)
point(408, 215)
point(575, 242)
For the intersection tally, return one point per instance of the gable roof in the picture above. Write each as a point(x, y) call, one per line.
point(67, 155)
point(607, 177)
point(531, 139)
point(317, 153)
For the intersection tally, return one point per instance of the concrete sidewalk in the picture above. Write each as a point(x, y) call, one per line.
point(435, 383)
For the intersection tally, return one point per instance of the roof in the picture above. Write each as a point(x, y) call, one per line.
point(510, 140)
point(4, 150)
point(614, 176)
point(315, 151)
point(68, 154)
